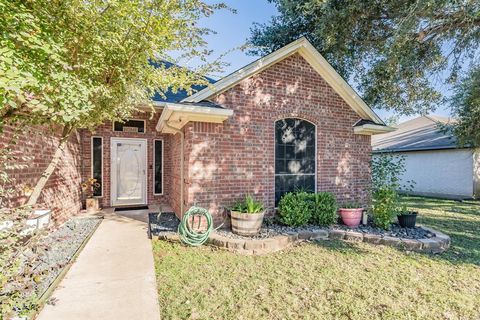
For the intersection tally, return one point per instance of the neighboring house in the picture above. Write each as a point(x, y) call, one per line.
point(287, 121)
point(433, 160)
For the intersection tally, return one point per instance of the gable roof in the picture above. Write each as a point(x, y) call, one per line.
point(313, 57)
point(421, 133)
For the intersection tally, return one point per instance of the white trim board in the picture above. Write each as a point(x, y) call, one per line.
point(313, 57)
point(178, 115)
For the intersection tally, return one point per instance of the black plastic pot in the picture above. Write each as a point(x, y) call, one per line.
point(407, 220)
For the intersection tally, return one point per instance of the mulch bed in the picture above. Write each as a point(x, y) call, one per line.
point(61, 245)
point(168, 222)
point(164, 222)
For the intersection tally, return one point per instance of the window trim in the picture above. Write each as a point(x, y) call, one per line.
point(101, 166)
point(133, 119)
point(153, 167)
point(315, 174)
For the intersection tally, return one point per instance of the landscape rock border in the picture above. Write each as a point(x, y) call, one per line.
point(437, 244)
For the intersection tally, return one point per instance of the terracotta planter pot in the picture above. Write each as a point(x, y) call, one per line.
point(246, 224)
point(351, 217)
point(92, 205)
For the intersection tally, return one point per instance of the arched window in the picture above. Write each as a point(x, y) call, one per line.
point(295, 158)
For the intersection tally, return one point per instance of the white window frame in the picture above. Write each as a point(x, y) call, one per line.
point(144, 126)
point(91, 163)
point(153, 167)
point(274, 152)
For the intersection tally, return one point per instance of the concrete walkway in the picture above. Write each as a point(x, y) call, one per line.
point(113, 277)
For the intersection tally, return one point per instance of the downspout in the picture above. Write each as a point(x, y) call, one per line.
point(182, 138)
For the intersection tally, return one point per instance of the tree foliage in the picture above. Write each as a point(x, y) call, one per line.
point(390, 49)
point(466, 108)
point(77, 64)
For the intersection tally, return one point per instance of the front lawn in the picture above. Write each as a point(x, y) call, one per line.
point(332, 279)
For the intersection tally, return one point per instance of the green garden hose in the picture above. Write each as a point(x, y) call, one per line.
point(186, 231)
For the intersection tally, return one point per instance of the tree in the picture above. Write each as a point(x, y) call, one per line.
point(465, 104)
point(75, 64)
point(390, 49)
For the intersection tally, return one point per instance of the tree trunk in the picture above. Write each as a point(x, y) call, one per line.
point(67, 130)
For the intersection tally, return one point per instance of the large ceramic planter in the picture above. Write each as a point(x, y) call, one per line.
point(92, 205)
point(246, 224)
point(351, 217)
point(407, 220)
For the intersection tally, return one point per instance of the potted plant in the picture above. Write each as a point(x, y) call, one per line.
point(407, 218)
point(89, 187)
point(351, 214)
point(247, 216)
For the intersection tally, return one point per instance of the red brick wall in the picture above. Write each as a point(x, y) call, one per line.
point(231, 159)
point(106, 131)
point(225, 161)
point(38, 144)
point(175, 154)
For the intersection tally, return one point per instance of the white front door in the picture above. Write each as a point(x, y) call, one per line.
point(128, 171)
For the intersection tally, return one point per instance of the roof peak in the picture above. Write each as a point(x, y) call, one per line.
point(313, 57)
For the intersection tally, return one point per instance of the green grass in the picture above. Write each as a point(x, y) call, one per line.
point(331, 280)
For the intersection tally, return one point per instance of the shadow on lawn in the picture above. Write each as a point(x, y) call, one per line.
point(461, 221)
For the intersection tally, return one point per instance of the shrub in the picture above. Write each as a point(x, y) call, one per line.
point(384, 206)
point(323, 208)
point(294, 209)
point(387, 171)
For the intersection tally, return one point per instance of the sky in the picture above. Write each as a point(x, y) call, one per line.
point(233, 29)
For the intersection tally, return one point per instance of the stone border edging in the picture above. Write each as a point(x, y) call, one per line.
point(437, 244)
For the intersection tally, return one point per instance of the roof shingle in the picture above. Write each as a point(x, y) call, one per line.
point(422, 133)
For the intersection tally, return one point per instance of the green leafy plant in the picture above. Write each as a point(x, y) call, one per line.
point(387, 171)
point(248, 205)
point(295, 209)
point(323, 208)
point(384, 207)
point(404, 210)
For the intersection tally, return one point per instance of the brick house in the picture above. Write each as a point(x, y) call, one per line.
point(283, 122)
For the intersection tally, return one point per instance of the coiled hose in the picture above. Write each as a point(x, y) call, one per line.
point(186, 231)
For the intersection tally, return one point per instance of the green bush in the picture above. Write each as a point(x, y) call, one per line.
point(384, 206)
point(294, 209)
point(387, 171)
point(323, 208)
